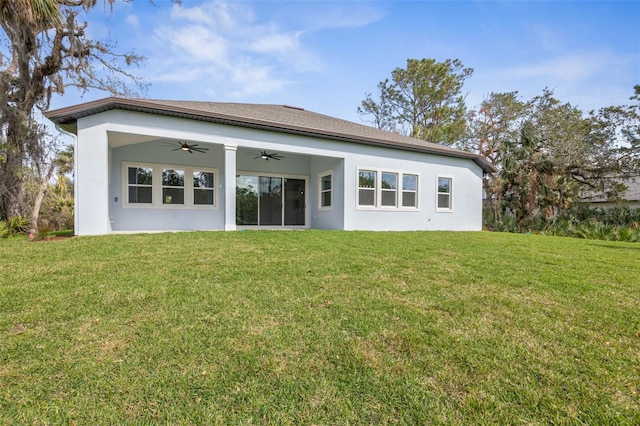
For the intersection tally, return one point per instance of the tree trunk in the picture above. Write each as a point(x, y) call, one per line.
point(12, 194)
point(35, 212)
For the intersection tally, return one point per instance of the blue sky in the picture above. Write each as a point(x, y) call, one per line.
point(325, 56)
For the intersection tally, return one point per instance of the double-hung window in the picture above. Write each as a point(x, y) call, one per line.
point(203, 188)
point(326, 182)
point(367, 180)
point(140, 185)
point(158, 185)
point(387, 189)
point(172, 186)
point(409, 190)
point(444, 197)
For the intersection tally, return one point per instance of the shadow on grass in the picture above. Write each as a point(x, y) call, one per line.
point(611, 246)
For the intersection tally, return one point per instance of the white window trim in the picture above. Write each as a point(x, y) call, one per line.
point(321, 191)
point(382, 190)
point(414, 191)
point(378, 190)
point(450, 209)
point(376, 196)
point(157, 186)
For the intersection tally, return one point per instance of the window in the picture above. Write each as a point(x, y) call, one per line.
point(157, 185)
point(444, 193)
point(325, 190)
point(409, 190)
point(140, 185)
point(367, 188)
point(389, 189)
point(172, 186)
point(203, 188)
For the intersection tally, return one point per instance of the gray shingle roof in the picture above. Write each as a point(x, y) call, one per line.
point(278, 118)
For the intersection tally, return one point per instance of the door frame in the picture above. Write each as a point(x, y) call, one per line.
point(283, 176)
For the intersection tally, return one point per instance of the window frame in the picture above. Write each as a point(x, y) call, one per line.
point(384, 190)
point(450, 194)
point(376, 185)
point(127, 185)
point(378, 190)
point(182, 187)
point(194, 188)
point(414, 191)
point(157, 186)
point(322, 191)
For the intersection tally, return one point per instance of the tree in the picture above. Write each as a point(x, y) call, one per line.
point(423, 100)
point(615, 132)
point(47, 51)
point(497, 122)
point(57, 202)
point(548, 153)
point(535, 145)
point(40, 172)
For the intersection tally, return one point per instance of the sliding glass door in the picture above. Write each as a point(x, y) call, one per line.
point(270, 201)
point(294, 202)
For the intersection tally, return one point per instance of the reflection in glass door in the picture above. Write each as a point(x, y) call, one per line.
point(247, 200)
point(270, 201)
point(294, 202)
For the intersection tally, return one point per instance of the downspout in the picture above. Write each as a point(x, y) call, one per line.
point(76, 189)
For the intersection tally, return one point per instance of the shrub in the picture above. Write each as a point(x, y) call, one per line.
point(13, 226)
point(43, 231)
point(613, 223)
point(4, 229)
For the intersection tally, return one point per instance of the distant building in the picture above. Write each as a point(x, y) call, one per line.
point(630, 198)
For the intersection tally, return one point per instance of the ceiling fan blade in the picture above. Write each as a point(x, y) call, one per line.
point(177, 149)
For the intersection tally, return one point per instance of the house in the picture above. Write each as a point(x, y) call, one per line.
point(630, 197)
point(159, 165)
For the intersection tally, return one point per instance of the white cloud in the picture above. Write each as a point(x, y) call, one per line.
point(216, 14)
point(132, 21)
point(345, 15)
point(569, 67)
point(228, 45)
point(583, 79)
point(195, 45)
point(277, 43)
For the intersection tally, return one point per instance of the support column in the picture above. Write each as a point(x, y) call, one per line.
point(230, 187)
point(92, 181)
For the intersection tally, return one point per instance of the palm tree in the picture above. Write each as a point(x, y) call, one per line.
point(39, 14)
point(64, 160)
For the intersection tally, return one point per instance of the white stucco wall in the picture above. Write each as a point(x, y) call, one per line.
point(108, 139)
point(466, 176)
point(167, 218)
point(92, 179)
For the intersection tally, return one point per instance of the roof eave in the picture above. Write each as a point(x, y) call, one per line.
point(67, 119)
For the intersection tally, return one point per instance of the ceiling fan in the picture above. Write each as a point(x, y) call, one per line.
point(184, 146)
point(263, 155)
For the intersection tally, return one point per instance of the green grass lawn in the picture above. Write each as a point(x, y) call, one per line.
point(319, 327)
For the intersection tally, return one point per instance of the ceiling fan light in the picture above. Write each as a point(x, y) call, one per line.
point(185, 148)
